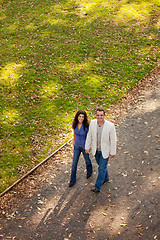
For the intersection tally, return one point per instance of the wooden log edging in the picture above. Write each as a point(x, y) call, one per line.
point(34, 168)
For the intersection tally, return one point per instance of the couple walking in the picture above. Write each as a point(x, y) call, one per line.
point(100, 136)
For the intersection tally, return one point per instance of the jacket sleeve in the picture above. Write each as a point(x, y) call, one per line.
point(88, 139)
point(113, 141)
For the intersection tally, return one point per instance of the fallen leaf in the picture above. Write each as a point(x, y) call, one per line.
point(124, 174)
point(146, 152)
point(70, 235)
point(140, 225)
point(111, 205)
point(92, 226)
point(123, 224)
point(141, 234)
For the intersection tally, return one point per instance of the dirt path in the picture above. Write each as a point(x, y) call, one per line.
point(128, 207)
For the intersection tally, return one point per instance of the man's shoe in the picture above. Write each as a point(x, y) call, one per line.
point(71, 184)
point(95, 190)
point(105, 181)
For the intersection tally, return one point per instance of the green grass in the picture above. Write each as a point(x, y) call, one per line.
point(61, 56)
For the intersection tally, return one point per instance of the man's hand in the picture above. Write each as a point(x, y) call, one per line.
point(111, 156)
point(87, 151)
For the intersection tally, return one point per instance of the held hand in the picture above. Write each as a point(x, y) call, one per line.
point(111, 156)
point(87, 151)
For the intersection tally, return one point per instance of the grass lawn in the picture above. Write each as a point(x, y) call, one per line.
point(60, 56)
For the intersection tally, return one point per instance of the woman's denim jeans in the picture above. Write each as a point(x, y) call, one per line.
point(76, 154)
point(102, 169)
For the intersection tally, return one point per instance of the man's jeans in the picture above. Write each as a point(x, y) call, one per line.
point(76, 155)
point(102, 169)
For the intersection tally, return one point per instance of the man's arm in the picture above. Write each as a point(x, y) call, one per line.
point(113, 142)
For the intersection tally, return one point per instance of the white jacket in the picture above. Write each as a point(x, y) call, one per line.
point(108, 138)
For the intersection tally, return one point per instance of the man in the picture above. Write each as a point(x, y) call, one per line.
point(101, 138)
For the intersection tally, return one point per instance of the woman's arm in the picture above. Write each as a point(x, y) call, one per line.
point(74, 137)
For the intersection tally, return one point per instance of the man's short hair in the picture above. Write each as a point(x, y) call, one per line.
point(100, 110)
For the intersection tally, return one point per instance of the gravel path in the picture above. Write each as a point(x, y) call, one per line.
point(43, 206)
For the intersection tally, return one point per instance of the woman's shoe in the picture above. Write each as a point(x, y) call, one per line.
point(71, 184)
point(89, 176)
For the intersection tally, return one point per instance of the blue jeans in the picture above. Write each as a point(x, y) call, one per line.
point(76, 155)
point(102, 169)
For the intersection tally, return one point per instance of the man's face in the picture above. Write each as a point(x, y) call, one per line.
point(100, 116)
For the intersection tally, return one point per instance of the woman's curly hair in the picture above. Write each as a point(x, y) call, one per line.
point(85, 121)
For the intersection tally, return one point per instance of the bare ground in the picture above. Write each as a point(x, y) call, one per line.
point(128, 207)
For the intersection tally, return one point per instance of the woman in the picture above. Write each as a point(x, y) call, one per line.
point(80, 126)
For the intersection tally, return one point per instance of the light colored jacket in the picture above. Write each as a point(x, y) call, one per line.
point(108, 138)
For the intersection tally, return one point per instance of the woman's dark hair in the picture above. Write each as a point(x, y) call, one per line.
point(85, 121)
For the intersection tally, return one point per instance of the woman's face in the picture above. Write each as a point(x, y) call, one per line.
point(80, 118)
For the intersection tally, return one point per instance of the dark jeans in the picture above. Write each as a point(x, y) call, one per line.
point(102, 169)
point(76, 155)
